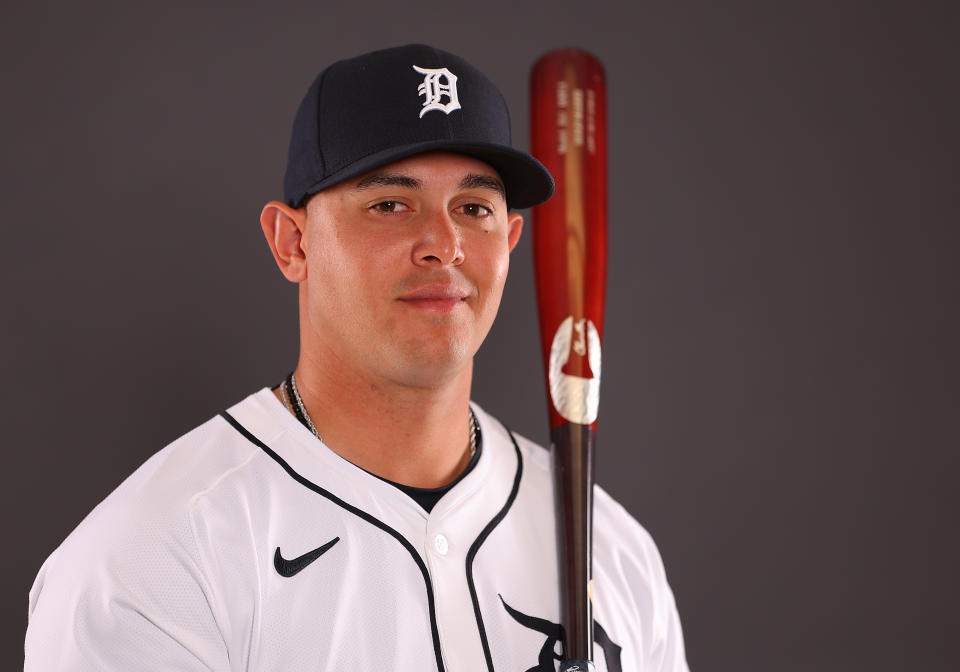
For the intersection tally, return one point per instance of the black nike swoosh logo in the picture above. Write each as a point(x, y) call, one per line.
point(290, 567)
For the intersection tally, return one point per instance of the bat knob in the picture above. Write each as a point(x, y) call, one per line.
point(576, 666)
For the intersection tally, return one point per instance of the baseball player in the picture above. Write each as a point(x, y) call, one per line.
point(362, 514)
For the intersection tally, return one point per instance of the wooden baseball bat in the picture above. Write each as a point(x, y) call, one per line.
point(568, 135)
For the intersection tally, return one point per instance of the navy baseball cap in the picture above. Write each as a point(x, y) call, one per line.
point(367, 111)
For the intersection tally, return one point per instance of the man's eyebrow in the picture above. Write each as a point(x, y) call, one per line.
point(470, 181)
point(476, 181)
point(388, 180)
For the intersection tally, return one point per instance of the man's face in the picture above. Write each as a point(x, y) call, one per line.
point(405, 268)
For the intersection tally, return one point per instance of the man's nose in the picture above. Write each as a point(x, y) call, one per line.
point(439, 242)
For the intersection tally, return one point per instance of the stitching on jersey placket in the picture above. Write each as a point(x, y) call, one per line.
point(471, 554)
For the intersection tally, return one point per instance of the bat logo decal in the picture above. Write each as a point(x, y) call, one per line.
point(576, 398)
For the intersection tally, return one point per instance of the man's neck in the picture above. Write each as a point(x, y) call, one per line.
point(408, 435)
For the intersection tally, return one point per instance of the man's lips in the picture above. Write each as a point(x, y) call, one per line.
point(435, 298)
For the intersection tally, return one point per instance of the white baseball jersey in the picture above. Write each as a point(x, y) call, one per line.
point(249, 545)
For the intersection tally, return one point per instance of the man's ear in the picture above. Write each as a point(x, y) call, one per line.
point(514, 227)
point(283, 227)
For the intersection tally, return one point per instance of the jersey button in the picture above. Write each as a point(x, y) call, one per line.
point(440, 543)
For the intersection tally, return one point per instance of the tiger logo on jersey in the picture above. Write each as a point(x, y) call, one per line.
point(555, 636)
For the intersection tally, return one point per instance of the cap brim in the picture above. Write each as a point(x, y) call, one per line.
point(527, 181)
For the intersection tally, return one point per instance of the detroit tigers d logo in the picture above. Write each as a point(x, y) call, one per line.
point(549, 653)
point(437, 84)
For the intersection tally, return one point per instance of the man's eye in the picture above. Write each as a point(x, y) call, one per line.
point(388, 206)
point(476, 210)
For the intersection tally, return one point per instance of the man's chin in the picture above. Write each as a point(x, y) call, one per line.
point(430, 366)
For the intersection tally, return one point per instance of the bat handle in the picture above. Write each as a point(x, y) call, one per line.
point(573, 459)
point(576, 666)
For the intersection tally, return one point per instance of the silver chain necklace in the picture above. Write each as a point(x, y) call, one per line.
point(473, 433)
point(285, 398)
point(472, 419)
point(303, 409)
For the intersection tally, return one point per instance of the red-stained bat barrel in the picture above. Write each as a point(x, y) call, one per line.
point(568, 135)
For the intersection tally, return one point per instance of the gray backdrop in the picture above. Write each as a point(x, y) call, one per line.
point(779, 402)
